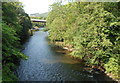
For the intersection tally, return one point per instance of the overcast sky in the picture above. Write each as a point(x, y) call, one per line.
point(36, 6)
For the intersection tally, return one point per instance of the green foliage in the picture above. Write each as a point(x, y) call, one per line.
point(16, 24)
point(11, 53)
point(46, 29)
point(7, 74)
point(112, 66)
point(92, 28)
point(15, 16)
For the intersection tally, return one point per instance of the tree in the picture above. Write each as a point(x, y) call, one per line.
point(92, 28)
point(16, 24)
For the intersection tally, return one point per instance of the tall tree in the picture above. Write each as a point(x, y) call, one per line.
point(92, 28)
point(16, 24)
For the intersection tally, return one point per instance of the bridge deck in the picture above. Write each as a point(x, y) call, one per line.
point(38, 20)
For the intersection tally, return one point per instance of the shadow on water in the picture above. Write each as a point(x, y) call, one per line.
point(46, 63)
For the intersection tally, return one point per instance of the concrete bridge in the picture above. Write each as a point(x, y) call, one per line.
point(38, 20)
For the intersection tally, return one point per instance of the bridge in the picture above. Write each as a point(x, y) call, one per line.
point(38, 20)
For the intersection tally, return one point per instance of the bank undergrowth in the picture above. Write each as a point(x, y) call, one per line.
point(92, 29)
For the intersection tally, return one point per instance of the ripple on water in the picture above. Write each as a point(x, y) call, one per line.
point(44, 64)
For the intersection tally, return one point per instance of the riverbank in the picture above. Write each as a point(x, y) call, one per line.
point(91, 68)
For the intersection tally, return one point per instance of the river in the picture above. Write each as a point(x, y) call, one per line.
point(47, 64)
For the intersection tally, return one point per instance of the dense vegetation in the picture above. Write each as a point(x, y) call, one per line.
point(15, 23)
point(91, 28)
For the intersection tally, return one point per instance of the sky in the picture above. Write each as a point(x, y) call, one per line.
point(36, 6)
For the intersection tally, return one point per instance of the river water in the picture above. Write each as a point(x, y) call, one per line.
point(47, 64)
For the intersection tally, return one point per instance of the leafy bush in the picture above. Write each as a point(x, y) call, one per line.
point(15, 26)
point(11, 53)
point(92, 28)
